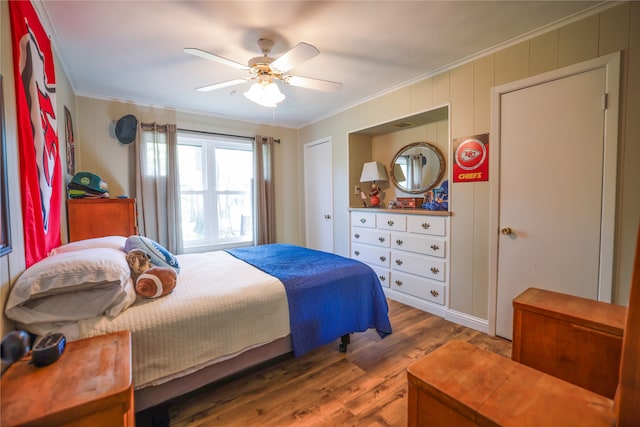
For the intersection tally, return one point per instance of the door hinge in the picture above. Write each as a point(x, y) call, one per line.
point(605, 101)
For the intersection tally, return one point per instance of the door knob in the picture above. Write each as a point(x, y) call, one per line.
point(506, 231)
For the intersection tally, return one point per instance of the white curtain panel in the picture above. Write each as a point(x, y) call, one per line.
point(158, 186)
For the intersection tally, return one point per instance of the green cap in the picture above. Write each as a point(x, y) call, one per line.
point(90, 181)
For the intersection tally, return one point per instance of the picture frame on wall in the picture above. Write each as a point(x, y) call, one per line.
point(5, 226)
point(71, 144)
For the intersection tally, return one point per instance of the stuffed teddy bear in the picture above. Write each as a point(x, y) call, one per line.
point(139, 262)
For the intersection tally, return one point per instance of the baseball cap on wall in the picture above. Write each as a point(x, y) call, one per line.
point(126, 128)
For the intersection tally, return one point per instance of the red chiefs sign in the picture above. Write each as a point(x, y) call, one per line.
point(40, 169)
point(471, 158)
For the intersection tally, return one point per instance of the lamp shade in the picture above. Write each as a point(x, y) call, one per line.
point(265, 94)
point(373, 171)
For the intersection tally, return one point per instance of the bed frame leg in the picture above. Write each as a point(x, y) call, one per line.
point(344, 341)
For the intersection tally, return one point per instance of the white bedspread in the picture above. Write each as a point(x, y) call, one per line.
point(221, 307)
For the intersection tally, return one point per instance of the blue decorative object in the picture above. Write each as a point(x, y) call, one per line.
point(439, 201)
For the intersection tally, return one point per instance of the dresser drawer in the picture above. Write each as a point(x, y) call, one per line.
point(418, 244)
point(363, 219)
point(383, 275)
point(421, 265)
point(392, 222)
point(371, 237)
point(432, 225)
point(418, 287)
point(371, 255)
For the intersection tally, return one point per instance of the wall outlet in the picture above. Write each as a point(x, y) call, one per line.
point(357, 190)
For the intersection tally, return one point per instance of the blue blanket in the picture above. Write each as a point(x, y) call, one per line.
point(329, 295)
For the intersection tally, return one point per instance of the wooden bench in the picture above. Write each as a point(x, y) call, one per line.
point(575, 339)
point(462, 385)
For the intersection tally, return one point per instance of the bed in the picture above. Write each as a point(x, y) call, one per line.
point(230, 309)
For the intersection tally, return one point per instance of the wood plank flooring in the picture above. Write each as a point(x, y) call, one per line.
point(367, 386)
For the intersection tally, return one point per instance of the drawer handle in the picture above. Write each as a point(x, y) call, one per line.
point(381, 239)
point(357, 236)
point(426, 225)
point(390, 223)
point(399, 242)
point(434, 293)
point(363, 220)
point(382, 278)
point(435, 270)
point(357, 253)
point(435, 247)
point(399, 282)
point(383, 258)
point(399, 261)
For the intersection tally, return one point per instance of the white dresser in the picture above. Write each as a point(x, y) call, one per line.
point(409, 251)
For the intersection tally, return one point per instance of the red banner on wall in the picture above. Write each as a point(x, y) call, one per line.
point(471, 158)
point(40, 169)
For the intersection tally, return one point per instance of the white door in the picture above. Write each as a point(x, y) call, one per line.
point(318, 194)
point(551, 159)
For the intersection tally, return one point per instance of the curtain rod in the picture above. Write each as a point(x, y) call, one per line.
point(222, 134)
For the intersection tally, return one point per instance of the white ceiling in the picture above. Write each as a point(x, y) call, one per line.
point(133, 50)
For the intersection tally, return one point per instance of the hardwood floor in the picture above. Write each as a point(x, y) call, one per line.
point(367, 386)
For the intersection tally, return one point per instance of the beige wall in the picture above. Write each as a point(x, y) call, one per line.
point(360, 151)
point(467, 89)
point(9, 264)
point(99, 151)
point(385, 147)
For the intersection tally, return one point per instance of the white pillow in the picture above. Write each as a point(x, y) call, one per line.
point(113, 242)
point(72, 285)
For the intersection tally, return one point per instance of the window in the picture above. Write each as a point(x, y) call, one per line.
point(216, 191)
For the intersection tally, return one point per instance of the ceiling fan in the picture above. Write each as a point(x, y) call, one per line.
point(264, 71)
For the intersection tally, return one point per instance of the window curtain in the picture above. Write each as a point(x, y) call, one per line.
point(157, 185)
point(265, 200)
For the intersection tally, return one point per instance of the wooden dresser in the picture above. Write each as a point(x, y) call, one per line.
point(89, 385)
point(547, 326)
point(88, 218)
point(409, 251)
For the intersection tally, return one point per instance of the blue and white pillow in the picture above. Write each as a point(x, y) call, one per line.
point(160, 257)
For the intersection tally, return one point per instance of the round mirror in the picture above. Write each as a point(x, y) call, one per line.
point(417, 167)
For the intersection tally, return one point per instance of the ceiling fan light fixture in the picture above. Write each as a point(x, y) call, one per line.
point(264, 71)
point(264, 93)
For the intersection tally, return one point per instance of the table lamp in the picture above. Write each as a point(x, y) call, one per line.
point(372, 172)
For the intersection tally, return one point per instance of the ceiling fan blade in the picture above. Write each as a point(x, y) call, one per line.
point(316, 84)
point(296, 55)
point(210, 56)
point(221, 85)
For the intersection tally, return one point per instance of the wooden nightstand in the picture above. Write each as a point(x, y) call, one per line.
point(90, 385)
